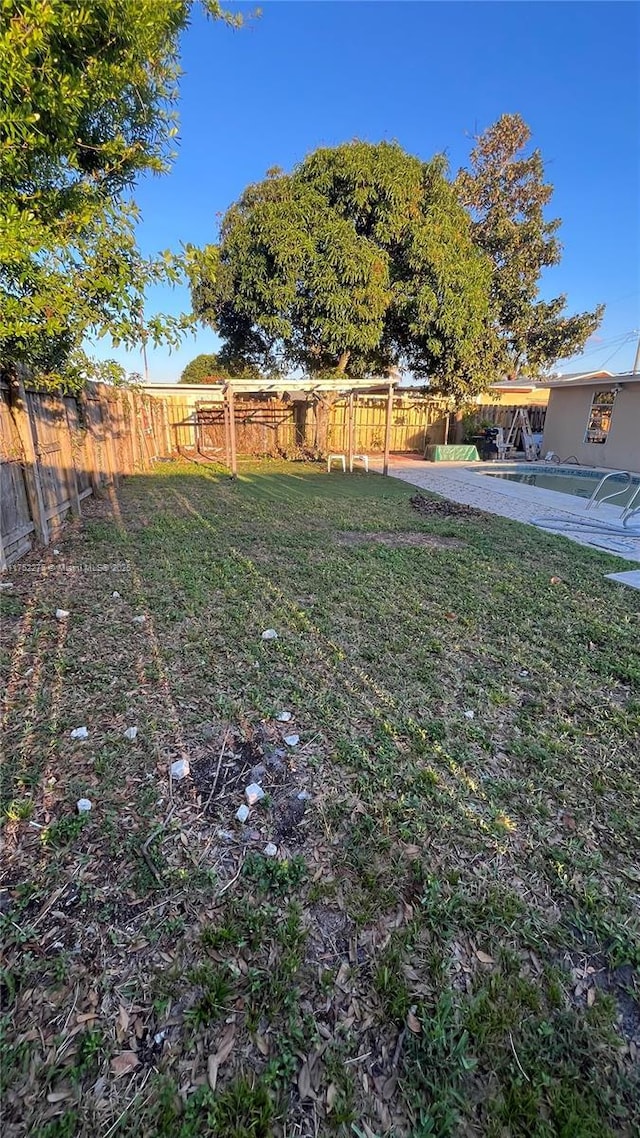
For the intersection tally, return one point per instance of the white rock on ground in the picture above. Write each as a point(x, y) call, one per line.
point(242, 813)
point(292, 740)
point(56, 553)
point(253, 793)
point(116, 594)
point(284, 717)
point(80, 733)
point(131, 733)
point(83, 806)
point(139, 620)
point(270, 850)
point(180, 769)
point(303, 796)
point(469, 714)
point(269, 634)
point(62, 614)
point(6, 584)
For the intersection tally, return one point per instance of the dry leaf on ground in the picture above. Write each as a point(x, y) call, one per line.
point(413, 1023)
point(484, 957)
point(123, 1063)
point(225, 1048)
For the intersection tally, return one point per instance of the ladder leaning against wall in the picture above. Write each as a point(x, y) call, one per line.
point(520, 422)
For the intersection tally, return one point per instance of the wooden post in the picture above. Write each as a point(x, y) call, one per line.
point(3, 560)
point(66, 446)
point(351, 432)
point(133, 430)
point(108, 450)
point(90, 443)
point(110, 441)
point(387, 429)
point(167, 432)
point(232, 431)
point(22, 419)
point(227, 444)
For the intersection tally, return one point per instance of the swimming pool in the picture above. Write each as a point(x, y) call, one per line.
point(571, 480)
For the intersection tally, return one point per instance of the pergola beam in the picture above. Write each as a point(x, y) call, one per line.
point(232, 431)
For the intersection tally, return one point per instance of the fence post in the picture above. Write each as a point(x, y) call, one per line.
point(133, 429)
point(66, 446)
point(387, 429)
point(90, 444)
point(166, 429)
point(232, 430)
point(22, 419)
point(107, 424)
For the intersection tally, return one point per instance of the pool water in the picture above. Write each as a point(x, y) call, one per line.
point(581, 484)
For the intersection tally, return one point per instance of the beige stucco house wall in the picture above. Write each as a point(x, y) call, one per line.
point(568, 415)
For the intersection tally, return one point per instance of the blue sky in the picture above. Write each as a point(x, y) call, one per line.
point(429, 76)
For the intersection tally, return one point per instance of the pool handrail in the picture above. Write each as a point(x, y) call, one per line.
point(631, 507)
point(609, 497)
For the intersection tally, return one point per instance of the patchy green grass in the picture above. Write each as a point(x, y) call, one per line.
point(447, 942)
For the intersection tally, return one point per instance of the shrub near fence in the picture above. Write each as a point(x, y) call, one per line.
point(55, 450)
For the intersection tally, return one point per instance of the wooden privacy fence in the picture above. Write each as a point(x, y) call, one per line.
point(416, 421)
point(275, 426)
point(55, 450)
point(498, 415)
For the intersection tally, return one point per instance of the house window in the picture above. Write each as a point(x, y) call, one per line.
point(600, 417)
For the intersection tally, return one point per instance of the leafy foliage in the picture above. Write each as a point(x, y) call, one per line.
point(359, 260)
point(88, 94)
point(507, 194)
point(203, 369)
point(209, 367)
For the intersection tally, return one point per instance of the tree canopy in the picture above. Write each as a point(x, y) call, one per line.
point(506, 193)
point(202, 369)
point(87, 94)
point(209, 367)
point(360, 259)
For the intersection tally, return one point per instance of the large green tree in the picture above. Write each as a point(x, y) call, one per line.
point(209, 367)
point(359, 260)
point(87, 96)
point(202, 369)
point(506, 192)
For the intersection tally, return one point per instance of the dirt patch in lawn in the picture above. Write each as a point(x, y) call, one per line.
point(399, 540)
point(591, 974)
point(440, 508)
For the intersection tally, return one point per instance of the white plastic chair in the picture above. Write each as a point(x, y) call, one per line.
point(336, 458)
point(363, 458)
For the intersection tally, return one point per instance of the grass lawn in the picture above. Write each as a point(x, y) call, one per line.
point(447, 942)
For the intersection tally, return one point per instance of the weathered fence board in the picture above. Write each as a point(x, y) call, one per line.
point(56, 450)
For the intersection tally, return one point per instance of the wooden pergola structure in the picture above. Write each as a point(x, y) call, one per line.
point(225, 395)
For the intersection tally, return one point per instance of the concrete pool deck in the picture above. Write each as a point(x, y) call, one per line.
point(468, 483)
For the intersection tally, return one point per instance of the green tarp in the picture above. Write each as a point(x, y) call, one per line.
point(462, 453)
